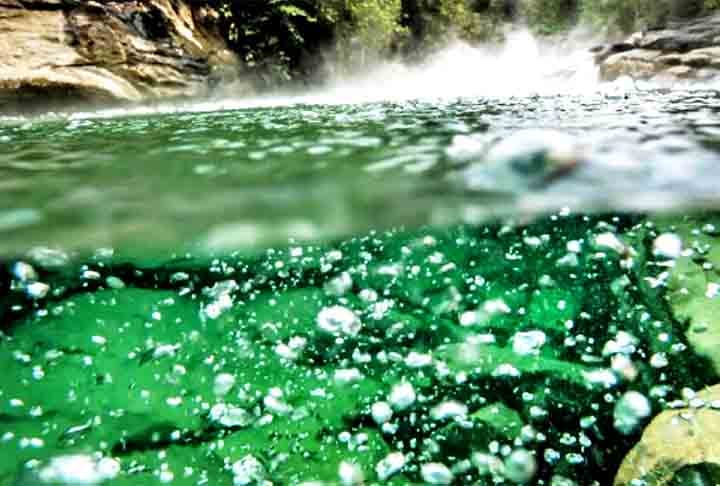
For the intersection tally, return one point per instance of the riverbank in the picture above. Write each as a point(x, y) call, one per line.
point(56, 54)
point(681, 51)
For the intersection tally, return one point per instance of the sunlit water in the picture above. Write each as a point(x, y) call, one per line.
point(429, 275)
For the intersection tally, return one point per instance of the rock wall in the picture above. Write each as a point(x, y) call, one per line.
point(59, 53)
point(686, 50)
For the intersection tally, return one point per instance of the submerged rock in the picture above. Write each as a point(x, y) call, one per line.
point(677, 446)
point(63, 53)
point(388, 381)
point(694, 285)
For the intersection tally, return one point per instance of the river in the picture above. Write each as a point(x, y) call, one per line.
point(489, 269)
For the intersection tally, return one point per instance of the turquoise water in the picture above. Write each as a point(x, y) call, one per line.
point(466, 291)
point(261, 176)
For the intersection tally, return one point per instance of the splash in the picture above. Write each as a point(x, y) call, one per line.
point(522, 66)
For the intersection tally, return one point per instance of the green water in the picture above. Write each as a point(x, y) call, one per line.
point(256, 177)
point(354, 292)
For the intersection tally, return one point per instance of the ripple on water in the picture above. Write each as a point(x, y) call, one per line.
point(387, 151)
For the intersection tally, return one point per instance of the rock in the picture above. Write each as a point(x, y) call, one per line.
point(638, 63)
point(677, 445)
point(680, 72)
point(142, 376)
point(602, 52)
point(98, 347)
point(683, 50)
point(491, 422)
point(62, 54)
point(693, 292)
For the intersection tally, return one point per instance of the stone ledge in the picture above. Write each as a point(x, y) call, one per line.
point(689, 50)
point(116, 51)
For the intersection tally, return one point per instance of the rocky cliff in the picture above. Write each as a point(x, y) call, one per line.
point(60, 53)
point(682, 50)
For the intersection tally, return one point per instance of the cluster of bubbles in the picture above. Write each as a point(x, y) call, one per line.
point(509, 354)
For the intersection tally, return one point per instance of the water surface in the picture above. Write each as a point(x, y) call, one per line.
point(256, 176)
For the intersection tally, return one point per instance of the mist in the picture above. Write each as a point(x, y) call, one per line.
point(522, 66)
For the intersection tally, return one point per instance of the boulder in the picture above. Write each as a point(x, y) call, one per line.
point(638, 63)
point(281, 362)
point(687, 49)
point(678, 447)
point(61, 53)
point(693, 293)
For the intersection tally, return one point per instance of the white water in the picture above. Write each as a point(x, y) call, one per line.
point(523, 66)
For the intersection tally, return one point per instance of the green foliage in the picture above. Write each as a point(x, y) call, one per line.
point(282, 40)
point(613, 17)
point(274, 37)
point(471, 24)
point(610, 17)
point(549, 16)
point(364, 29)
point(285, 39)
point(376, 21)
point(295, 11)
point(434, 23)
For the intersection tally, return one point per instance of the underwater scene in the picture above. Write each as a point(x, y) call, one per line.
point(509, 290)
